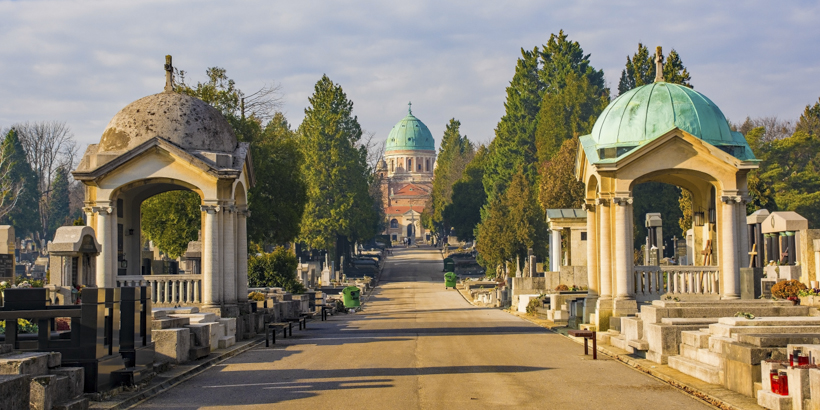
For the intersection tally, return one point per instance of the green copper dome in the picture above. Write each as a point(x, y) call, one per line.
point(647, 112)
point(410, 134)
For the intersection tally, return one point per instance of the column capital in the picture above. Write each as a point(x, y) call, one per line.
point(211, 209)
point(601, 201)
point(243, 210)
point(622, 200)
point(229, 208)
point(733, 199)
point(102, 210)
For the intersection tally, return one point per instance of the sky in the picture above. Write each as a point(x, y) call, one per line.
point(82, 61)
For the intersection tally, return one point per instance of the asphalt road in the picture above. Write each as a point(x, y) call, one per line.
point(416, 345)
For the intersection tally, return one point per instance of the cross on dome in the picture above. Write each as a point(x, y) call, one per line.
point(658, 64)
point(169, 75)
point(410, 108)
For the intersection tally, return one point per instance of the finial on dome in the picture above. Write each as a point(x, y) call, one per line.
point(410, 108)
point(658, 64)
point(169, 75)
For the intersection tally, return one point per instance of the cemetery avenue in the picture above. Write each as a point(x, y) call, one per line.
point(416, 345)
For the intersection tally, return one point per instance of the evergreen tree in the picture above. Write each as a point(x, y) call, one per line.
point(339, 209)
point(640, 70)
point(559, 187)
point(454, 154)
point(567, 113)
point(560, 58)
point(514, 142)
point(25, 214)
point(464, 213)
point(59, 202)
point(809, 121)
point(277, 201)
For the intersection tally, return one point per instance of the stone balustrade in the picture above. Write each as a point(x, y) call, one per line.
point(650, 282)
point(168, 289)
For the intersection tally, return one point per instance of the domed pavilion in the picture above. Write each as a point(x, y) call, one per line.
point(159, 143)
point(407, 177)
point(667, 133)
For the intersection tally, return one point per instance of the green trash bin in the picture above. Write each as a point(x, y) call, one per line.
point(351, 296)
point(450, 280)
point(449, 265)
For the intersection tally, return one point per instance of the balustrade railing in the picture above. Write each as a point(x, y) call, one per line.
point(167, 289)
point(650, 282)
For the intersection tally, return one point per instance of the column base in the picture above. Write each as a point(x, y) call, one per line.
point(729, 297)
point(603, 311)
point(590, 303)
point(625, 307)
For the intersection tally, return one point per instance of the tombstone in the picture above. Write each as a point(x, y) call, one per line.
point(654, 228)
point(784, 229)
point(7, 246)
point(73, 254)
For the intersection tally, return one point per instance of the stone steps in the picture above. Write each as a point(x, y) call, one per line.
point(621, 343)
point(641, 345)
point(701, 355)
point(695, 338)
point(702, 371)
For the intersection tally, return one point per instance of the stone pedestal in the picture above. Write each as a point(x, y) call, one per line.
point(590, 303)
point(624, 307)
point(750, 282)
point(788, 272)
point(603, 313)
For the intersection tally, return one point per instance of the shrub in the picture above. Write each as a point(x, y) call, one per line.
point(275, 269)
point(23, 326)
point(256, 296)
point(787, 288)
point(562, 288)
point(534, 304)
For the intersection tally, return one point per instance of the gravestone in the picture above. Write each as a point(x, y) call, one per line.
point(7, 246)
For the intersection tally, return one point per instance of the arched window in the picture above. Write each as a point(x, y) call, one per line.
point(428, 166)
point(409, 164)
point(392, 166)
point(394, 223)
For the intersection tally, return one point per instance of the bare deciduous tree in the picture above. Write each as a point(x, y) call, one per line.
point(262, 104)
point(49, 145)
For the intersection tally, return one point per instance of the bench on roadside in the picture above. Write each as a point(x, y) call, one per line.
point(587, 334)
point(273, 327)
point(325, 310)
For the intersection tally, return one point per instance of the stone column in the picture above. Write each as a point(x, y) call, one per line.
point(604, 305)
point(242, 254)
point(228, 249)
point(105, 260)
point(729, 289)
point(592, 262)
point(625, 296)
point(211, 279)
point(555, 249)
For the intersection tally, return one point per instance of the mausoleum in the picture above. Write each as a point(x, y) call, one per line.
point(164, 142)
point(667, 133)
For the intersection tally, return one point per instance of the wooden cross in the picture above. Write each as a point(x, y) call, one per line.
point(784, 256)
point(752, 255)
point(707, 253)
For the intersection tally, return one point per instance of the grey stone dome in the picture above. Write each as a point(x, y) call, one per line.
point(181, 119)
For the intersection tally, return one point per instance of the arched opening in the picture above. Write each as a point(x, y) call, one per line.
point(394, 223)
point(409, 164)
point(411, 230)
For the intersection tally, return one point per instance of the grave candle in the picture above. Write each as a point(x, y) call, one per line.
point(802, 360)
point(774, 381)
point(783, 382)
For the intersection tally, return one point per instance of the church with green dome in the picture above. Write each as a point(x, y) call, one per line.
point(406, 171)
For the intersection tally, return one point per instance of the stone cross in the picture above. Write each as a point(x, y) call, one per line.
point(169, 75)
point(658, 64)
point(410, 108)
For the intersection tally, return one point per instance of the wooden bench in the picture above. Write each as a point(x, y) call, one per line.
point(273, 327)
point(587, 334)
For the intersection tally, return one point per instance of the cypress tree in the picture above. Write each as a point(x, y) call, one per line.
point(454, 154)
